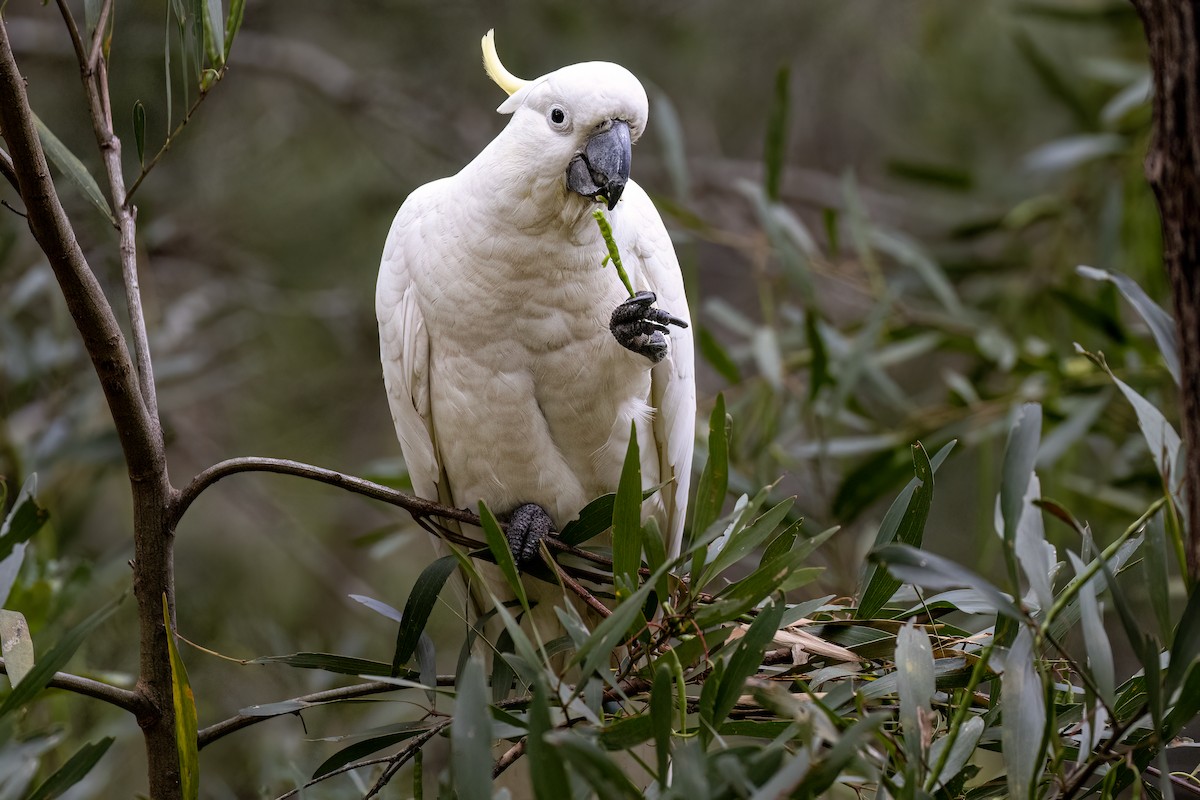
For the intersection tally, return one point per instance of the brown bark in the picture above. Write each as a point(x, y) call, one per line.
point(1173, 169)
point(137, 429)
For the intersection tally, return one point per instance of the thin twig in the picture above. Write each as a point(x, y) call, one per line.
point(236, 723)
point(170, 140)
point(402, 758)
point(578, 589)
point(114, 695)
point(73, 30)
point(510, 757)
point(98, 36)
point(16, 211)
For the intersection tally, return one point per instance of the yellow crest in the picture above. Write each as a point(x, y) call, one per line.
point(491, 63)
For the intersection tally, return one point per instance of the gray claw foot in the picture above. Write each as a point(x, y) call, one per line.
point(527, 526)
point(638, 326)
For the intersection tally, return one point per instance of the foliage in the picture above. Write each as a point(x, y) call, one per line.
point(764, 661)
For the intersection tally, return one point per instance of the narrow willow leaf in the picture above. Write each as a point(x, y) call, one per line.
point(1161, 325)
point(1095, 637)
point(233, 24)
point(1185, 645)
point(139, 130)
point(1019, 458)
point(16, 645)
point(776, 145)
point(915, 685)
point(595, 518)
point(471, 736)
point(904, 522)
point(72, 772)
point(498, 545)
point(935, 572)
point(417, 608)
point(67, 163)
point(185, 716)
point(1036, 556)
point(742, 542)
point(714, 480)
point(627, 516)
point(1158, 579)
point(214, 32)
point(329, 662)
point(848, 748)
point(818, 371)
point(780, 544)
point(745, 659)
point(609, 633)
point(962, 749)
point(1023, 710)
point(360, 750)
point(595, 767)
point(43, 671)
point(23, 522)
point(662, 698)
point(546, 769)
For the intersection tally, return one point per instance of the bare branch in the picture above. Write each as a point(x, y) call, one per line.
point(73, 29)
point(236, 723)
point(510, 757)
point(98, 36)
point(141, 439)
point(114, 695)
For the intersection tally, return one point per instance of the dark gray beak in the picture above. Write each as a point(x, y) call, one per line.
point(602, 169)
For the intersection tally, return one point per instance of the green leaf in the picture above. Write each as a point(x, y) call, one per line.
point(1095, 637)
point(498, 545)
point(139, 131)
point(745, 660)
point(1161, 325)
point(714, 480)
point(185, 716)
point(922, 568)
point(1059, 87)
point(362, 749)
point(595, 518)
point(73, 168)
point(233, 24)
point(1019, 459)
point(915, 686)
point(595, 767)
point(329, 662)
point(72, 772)
point(609, 633)
point(625, 733)
point(904, 522)
point(1185, 645)
point(742, 542)
point(775, 150)
point(1158, 578)
point(214, 32)
point(662, 700)
point(23, 522)
point(16, 645)
point(1023, 710)
point(417, 608)
point(545, 767)
point(627, 517)
point(717, 356)
point(471, 736)
point(41, 674)
point(960, 751)
point(818, 371)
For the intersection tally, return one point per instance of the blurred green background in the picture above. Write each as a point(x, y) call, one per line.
point(880, 242)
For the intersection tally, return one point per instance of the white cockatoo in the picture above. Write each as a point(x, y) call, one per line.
point(514, 361)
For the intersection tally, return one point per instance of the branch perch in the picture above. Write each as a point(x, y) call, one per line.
point(113, 695)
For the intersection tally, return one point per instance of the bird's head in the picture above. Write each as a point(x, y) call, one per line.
point(576, 125)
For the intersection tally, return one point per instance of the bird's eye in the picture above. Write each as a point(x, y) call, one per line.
point(558, 116)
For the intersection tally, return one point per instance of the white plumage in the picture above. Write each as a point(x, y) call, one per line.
point(504, 379)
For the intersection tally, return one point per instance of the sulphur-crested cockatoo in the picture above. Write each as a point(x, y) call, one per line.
point(514, 362)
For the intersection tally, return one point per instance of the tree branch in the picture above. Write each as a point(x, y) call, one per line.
point(93, 316)
point(114, 695)
point(236, 723)
point(93, 69)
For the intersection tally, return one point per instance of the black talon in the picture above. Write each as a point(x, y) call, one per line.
point(527, 526)
point(638, 326)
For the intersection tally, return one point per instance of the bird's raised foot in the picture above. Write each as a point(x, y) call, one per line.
point(528, 524)
point(638, 326)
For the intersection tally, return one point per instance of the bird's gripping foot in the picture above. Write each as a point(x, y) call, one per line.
point(638, 326)
point(527, 526)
